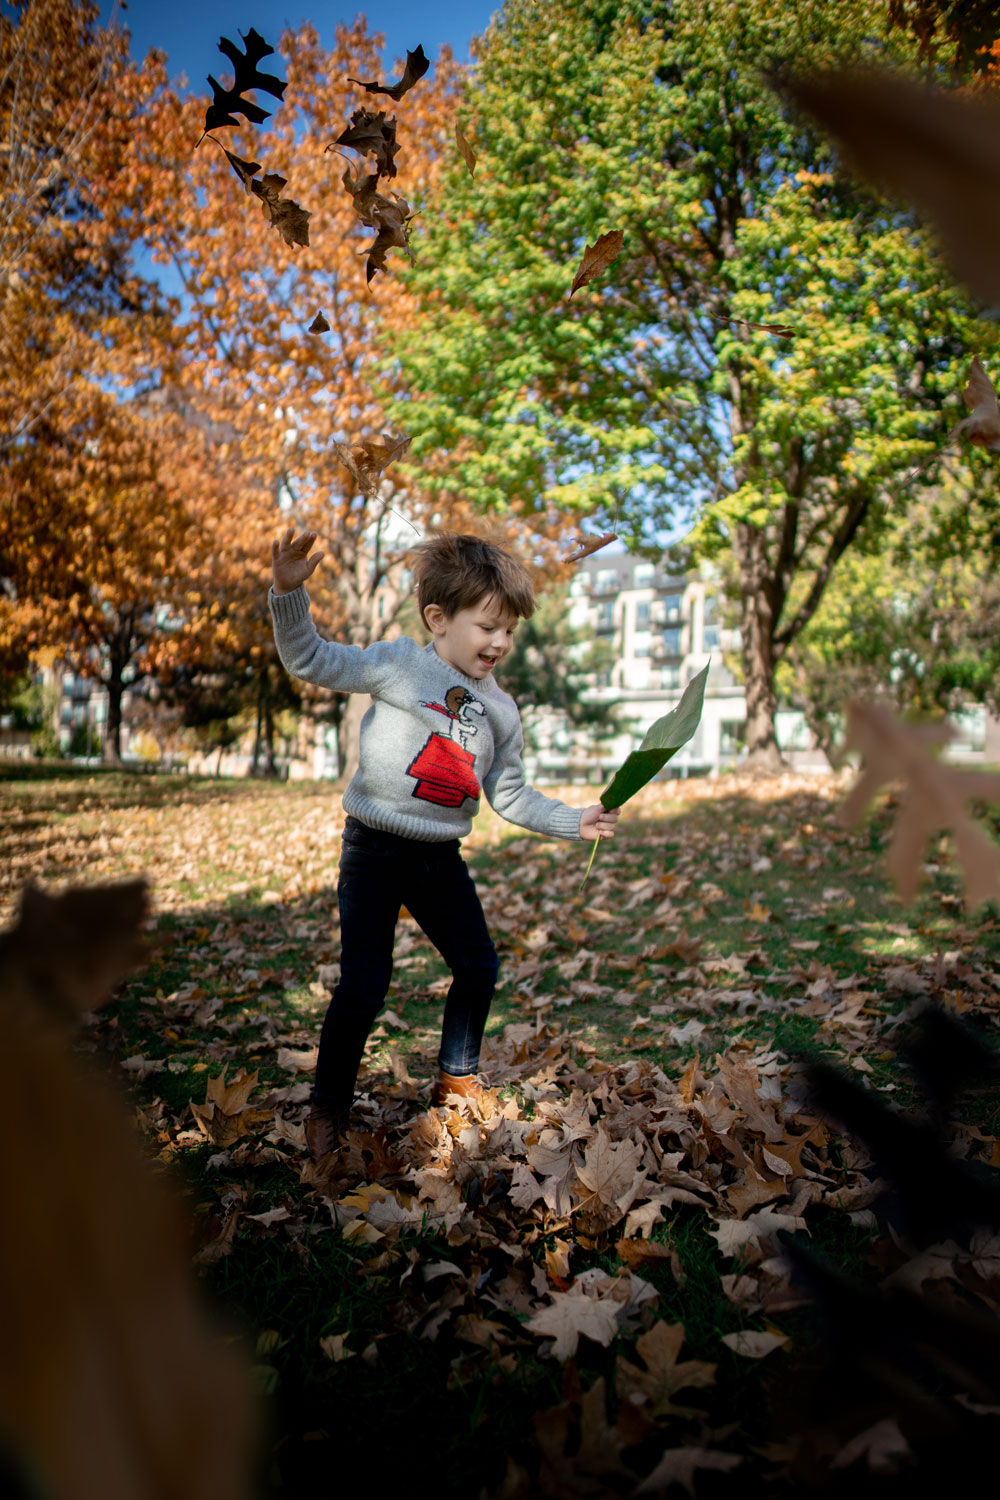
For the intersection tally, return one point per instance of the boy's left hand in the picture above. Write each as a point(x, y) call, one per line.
point(596, 822)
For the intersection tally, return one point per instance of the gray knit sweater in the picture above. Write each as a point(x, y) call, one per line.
point(432, 738)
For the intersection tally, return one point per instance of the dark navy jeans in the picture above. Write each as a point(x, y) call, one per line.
point(379, 873)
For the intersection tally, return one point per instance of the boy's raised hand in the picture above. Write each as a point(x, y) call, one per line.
point(597, 822)
point(290, 560)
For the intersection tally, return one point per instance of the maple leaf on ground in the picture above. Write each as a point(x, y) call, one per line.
point(610, 1171)
point(417, 64)
point(572, 1314)
point(678, 1465)
point(933, 799)
point(289, 218)
point(226, 1113)
point(371, 134)
point(940, 149)
point(660, 1377)
point(587, 545)
point(227, 102)
point(465, 147)
point(983, 426)
point(368, 461)
point(597, 258)
point(754, 1343)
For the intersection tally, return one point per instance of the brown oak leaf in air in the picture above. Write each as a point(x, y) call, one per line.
point(983, 426)
point(468, 155)
point(939, 149)
point(228, 102)
point(318, 325)
point(368, 461)
point(598, 257)
point(417, 64)
point(586, 545)
point(934, 797)
point(288, 218)
point(371, 134)
point(391, 220)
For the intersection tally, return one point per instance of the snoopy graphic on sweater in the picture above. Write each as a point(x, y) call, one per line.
point(444, 767)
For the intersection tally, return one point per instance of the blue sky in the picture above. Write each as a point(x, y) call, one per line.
point(189, 30)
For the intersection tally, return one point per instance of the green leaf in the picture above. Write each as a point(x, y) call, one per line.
point(661, 743)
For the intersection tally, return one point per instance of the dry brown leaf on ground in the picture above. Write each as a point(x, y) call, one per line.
point(113, 1383)
point(417, 63)
point(983, 426)
point(655, 1383)
point(227, 1113)
point(572, 1314)
point(465, 147)
point(933, 799)
point(368, 460)
point(597, 258)
point(941, 150)
point(678, 1466)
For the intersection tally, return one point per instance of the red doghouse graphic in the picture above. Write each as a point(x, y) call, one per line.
point(443, 767)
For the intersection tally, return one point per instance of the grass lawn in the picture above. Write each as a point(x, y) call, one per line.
point(650, 1028)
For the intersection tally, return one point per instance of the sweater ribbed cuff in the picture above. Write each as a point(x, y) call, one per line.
point(566, 823)
point(288, 609)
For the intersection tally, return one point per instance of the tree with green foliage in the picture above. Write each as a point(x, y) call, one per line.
point(915, 622)
point(552, 665)
point(767, 360)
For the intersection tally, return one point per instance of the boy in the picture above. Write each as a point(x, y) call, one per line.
point(439, 729)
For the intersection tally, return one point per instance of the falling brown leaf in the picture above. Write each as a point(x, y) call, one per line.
point(368, 461)
point(417, 64)
point(289, 218)
point(66, 953)
point(114, 1383)
point(782, 330)
point(391, 220)
point(937, 148)
point(319, 324)
point(933, 799)
point(371, 134)
point(227, 102)
point(246, 171)
point(983, 426)
point(587, 545)
point(598, 257)
point(464, 146)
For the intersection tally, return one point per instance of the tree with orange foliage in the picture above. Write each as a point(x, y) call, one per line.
point(251, 298)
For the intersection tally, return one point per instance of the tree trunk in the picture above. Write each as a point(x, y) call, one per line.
point(257, 736)
point(757, 628)
point(111, 748)
point(349, 735)
point(269, 767)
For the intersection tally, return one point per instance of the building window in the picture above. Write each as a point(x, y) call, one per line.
point(670, 677)
point(642, 615)
point(640, 648)
point(672, 641)
point(605, 581)
point(606, 617)
point(732, 736)
point(642, 575)
point(672, 605)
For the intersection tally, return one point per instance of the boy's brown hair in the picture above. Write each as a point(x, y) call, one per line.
point(458, 571)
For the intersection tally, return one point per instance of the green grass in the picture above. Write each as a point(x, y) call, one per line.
point(243, 879)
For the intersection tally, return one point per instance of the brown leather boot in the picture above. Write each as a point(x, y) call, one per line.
point(467, 1085)
point(325, 1130)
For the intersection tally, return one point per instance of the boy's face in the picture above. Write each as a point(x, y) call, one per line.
point(474, 640)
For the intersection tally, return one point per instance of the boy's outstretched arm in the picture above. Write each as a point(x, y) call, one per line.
point(291, 564)
point(597, 822)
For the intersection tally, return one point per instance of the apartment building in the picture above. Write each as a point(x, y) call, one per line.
point(663, 627)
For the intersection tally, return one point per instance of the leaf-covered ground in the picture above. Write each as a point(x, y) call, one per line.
point(576, 1288)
